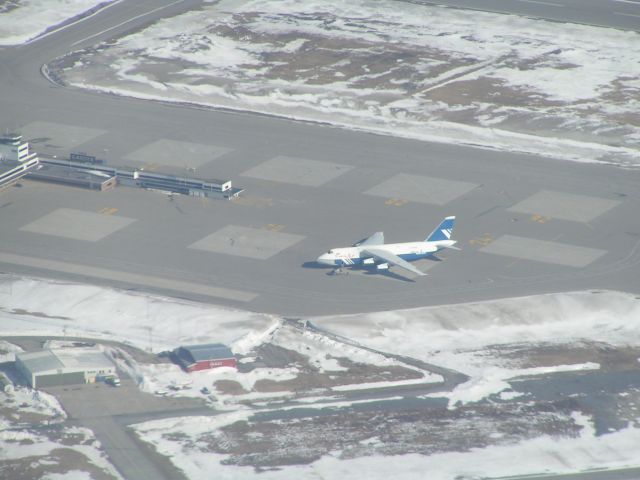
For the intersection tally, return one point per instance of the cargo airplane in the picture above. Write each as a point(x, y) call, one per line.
point(373, 251)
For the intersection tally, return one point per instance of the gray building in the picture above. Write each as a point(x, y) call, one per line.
point(15, 159)
point(63, 366)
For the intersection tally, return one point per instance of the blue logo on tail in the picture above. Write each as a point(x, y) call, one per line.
point(443, 231)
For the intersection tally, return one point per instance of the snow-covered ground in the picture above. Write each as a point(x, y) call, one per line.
point(8, 351)
point(25, 20)
point(425, 72)
point(322, 358)
point(41, 453)
point(44, 452)
point(184, 440)
point(471, 337)
point(154, 323)
point(465, 337)
point(503, 82)
point(33, 401)
point(41, 308)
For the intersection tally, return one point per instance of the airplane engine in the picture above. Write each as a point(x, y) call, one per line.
point(368, 261)
point(382, 266)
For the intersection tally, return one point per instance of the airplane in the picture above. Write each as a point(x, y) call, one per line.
point(373, 251)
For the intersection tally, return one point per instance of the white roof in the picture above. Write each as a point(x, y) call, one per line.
point(65, 359)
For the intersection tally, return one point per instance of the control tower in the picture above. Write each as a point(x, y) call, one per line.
point(15, 159)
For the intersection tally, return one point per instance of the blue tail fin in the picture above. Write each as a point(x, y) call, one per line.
point(443, 231)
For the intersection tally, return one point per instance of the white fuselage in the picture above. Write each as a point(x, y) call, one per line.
point(407, 251)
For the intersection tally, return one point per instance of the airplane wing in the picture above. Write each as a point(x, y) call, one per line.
point(389, 257)
point(375, 239)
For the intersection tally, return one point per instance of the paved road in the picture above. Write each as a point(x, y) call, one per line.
point(109, 411)
point(336, 214)
point(621, 14)
point(153, 254)
point(621, 474)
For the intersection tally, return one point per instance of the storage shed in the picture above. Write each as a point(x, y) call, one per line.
point(63, 366)
point(203, 357)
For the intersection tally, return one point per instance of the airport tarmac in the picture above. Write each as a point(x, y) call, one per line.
point(526, 224)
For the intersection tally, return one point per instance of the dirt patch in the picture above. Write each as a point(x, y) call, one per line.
point(57, 461)
point(229, 387)
point(318, 363)
point(20, 311)
point(528, 355)
point(301, 439)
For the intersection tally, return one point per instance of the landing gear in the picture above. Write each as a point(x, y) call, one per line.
point(338, 271)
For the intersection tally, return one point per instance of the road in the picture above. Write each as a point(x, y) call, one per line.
point(621, 14)
point(621, 474)
point(492, 211)
point(155, 253)
point(109, 412)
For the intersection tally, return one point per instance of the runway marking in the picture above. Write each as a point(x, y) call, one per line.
point(81, 19)
point(539, 218)
point(396, 202)
point(132, 278)
point(538, 2)
point(626, 14)
point(108, 210)
point(249, 201)
point(632, 2)
point(126, 21)
point(483, 241)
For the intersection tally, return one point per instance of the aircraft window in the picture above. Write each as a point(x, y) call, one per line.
point(330, 251)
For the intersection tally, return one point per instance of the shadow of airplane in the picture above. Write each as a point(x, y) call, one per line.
point(361, 270)
point(316, 266)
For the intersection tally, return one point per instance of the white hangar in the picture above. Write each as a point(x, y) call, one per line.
point(63, 366)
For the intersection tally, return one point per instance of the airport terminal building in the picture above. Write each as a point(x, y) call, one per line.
point(64, 366)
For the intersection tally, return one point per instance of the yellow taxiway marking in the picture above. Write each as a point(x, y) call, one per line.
point(396, 202)
point(539, 218)
point(274, 227)
point(108, 211)
point(258, 202)
point(482, 241)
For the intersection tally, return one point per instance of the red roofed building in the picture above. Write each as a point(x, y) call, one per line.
point(203, 357)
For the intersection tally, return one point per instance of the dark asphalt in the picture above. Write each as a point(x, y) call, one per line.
point(620, 14)
point(327, 217)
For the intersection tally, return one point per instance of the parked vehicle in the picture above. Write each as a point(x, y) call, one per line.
point(112, 380)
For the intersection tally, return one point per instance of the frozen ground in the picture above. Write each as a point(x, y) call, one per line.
point(24, 20)
point(494, 342)
point(35, 443)
point(424, 72)
point(189, 442)
point(498, 340)
point(512, 350)
point(8, 351)
point(278, 361)
point(284, 363)
point(50, 308)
